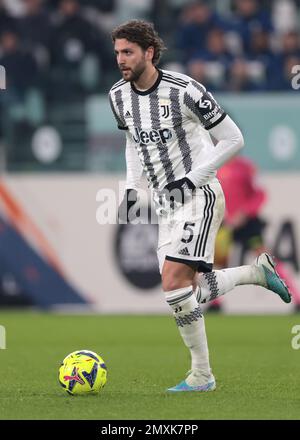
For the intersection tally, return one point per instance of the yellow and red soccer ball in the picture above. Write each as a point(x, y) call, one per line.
point(82, 372)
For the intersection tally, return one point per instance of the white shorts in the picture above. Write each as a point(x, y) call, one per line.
point(189, 235)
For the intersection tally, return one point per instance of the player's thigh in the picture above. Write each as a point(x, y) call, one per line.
point(193, 234)
point(189, 238)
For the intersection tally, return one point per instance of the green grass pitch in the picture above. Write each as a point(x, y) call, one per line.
point(257, 371)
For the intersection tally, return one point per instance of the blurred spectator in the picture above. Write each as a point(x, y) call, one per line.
point(288, 56)
point(104, 6)
point(70, 42)
point(239, 76)
point(284, 79)
point(254, 70)
point(35, 26)
point(163, 14)
point(7, 22)
point(128, 9)
point(74, 36)
point(36, 30)
point(15, 8)
point(285, 16)
point(76, 43)
point(290, 44)
point(250, 18)
point(101, 5)
point(210, 66)
point(196, 21)
point(263, 58)
point(21, 68)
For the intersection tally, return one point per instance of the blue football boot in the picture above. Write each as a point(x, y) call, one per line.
point(273, 281)
point(195, 381)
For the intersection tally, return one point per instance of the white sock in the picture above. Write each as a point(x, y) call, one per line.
point(191, 325)
point(219, 282)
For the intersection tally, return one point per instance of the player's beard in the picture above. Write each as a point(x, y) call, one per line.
point(135, 72)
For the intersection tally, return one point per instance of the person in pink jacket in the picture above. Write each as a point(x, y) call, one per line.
point(243, 224)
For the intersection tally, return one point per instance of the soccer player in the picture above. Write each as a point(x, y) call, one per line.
point(169, 119)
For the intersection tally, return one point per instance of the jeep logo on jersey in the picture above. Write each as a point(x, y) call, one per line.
point(153, 136)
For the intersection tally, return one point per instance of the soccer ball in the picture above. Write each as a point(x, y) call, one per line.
point(82, 372)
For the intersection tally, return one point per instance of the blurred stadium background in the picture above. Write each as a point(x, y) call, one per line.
point(59, 144)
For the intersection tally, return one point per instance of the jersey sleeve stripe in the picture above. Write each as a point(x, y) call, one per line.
point(117, 118)
point(214, 124)
point(136, 114)
point(162, 149)
point(176, 78)
point(118, 84)
point(176, 114)
point(171, 81)
point(191, 105)
point(120, 105)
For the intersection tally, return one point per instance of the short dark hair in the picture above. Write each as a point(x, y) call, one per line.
point(142, 33)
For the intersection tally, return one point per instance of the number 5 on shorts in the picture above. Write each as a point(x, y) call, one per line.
point(188, 228)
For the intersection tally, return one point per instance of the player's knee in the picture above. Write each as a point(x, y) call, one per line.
point(172, 282)
point(176, 276)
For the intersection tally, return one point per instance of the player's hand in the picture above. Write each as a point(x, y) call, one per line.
point(179, 190)
point(125, 213)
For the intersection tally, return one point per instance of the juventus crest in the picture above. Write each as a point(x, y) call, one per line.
point(165, 109)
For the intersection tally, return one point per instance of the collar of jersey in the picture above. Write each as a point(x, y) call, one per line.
point(155, 85)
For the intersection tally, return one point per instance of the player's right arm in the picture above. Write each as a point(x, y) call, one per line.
point(133, 168)
point(133, 176)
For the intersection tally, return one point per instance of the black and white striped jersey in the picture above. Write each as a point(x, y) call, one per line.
point(167, 124)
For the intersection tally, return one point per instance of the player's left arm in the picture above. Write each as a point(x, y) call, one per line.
point(203, 108)
point(229, 142)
